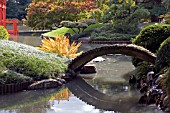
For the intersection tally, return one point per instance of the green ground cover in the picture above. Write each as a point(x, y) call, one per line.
point(28, 61)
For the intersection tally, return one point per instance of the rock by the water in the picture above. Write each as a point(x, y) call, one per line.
point(98, 59)
point(45, 84)
point(88, 69)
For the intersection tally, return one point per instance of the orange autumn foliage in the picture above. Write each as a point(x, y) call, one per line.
point(61, 95)
point(60, 45)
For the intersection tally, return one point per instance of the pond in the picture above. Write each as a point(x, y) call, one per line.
point(110, 80)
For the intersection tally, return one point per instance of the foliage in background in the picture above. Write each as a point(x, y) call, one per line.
point(97, 13)
point(110, 36)
point(16, 8)
point(3, 33)
point(155, 7)
point(163, 54)
point(125, 17)
point(166, 17)
point(60, 45)
point(72, 25)
point(49, 13)
point(64, 30)
point(79, 26)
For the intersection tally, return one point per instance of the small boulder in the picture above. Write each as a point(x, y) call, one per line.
point(45, 84)
point(88, 69)
point(98, 59)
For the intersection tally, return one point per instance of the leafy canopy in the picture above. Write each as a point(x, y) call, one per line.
point(49, 13)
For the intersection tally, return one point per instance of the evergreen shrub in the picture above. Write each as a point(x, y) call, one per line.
point(163, 54)
point(152, 36)
point(109, 36)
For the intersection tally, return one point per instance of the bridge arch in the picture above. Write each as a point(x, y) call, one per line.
point(126, 49)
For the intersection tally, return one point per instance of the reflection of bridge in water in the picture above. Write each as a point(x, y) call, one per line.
point(99, 100)
point(86, 92)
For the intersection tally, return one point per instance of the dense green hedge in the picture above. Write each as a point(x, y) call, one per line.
point(109, 36)
point(3, 33)
point(29, 61)
point(163, 54)
point(152, 36)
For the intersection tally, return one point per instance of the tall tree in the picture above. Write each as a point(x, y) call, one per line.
point(46, 15)
point(155, 7)
point(125, 17)
point(16, 8)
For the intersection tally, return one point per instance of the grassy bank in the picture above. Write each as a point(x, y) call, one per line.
point(28, 61)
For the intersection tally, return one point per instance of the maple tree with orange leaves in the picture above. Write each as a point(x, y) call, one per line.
point(45, 14)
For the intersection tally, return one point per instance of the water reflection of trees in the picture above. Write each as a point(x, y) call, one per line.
point(63, 94)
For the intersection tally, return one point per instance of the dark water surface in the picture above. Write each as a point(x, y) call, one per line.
point(109, 80)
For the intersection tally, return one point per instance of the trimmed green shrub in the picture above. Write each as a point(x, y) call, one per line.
point(109, 36)
point(88, 21)
point(3, 33)
point(83, 34)
point(163, 55)
point(64, 30)
point(130, 28)
point(152, 36)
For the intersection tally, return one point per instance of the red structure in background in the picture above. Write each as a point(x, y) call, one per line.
point(3, 21)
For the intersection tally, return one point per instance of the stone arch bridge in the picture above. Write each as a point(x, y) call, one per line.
point(126, 49)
